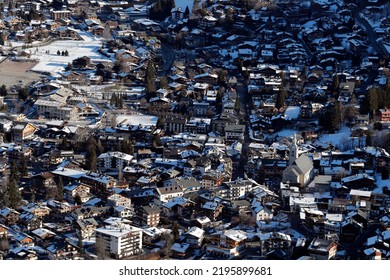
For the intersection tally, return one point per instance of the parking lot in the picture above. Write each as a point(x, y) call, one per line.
point(11, 72)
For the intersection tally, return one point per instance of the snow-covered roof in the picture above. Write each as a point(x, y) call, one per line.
point(236, 235)
point(196, 232)
point(360, 193)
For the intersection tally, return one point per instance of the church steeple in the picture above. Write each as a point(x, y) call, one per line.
point(293, 151)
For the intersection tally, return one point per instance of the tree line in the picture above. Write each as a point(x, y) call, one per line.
point(376, 98)
point(161, 10)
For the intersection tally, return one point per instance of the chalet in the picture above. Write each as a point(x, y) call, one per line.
point(384, 115)
point(62, 250)
point(22, 132)
point(189, 167)
point(30, 221)
point(38, 210)
point(119, 200)
point(80, 190)
point(23, 253)
point(9, 216)
point(213, 178)
point(82, 62)
point(234, 132)
point(86, 212)
point(358, 181)
point(180, 250)
point(178, 207)
point(86, 227)
point(163, 194)
point(260, 212)
point(21, 238)
point(3, 230)
point(194, 237)
point(212, 209)
point(276, 242)
point(322, 249)
point(226, 244)
point(100, 184)
point(59, 15)
point(151, 235)
point(203, 164)
point(43, 235)
point(148, 215)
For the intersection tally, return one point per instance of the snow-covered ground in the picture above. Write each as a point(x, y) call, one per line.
point(286, 133)
point(380, 184)
point(53, 63)
point(337, 139)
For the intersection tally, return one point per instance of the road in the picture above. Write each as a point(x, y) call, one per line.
point(245, 104)
point(371, 35)
point(168, 55)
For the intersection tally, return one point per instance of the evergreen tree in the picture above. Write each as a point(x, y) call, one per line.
point(69, 67)
point(186, 12)
point(99, 147)
point(280, 98)
point(222, 77)
point(91, 160)
point(164, 82)
point(237, 104)
point(150, 79)
point(175, 231)
point(370, 102)
point(335, 82)
point(113, 99)
point(64, 144)
point(368, 138)
point(120, 102)
point(330, 119)
point(14, 195)
point(60, 190)
point(156, 141)
point(23, 168)
point(4, 200)
point(80, 246)
point(77, 200)
point(4, 244)
point(14, 172)
point(3, 90)
point(161, 9)
point(23, 93)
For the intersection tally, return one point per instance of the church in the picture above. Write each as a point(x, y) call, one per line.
point(300, 169)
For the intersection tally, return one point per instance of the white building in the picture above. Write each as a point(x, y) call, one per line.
point(56, 110)
point(119, 241)
point(118, 200)
point(114, 160)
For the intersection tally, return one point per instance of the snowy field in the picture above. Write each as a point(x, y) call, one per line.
point(337, 139)
point(53, 63)
point(286, 133)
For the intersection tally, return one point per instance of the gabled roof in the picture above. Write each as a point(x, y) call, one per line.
point(151, 209)
point(303, 164)
point(195, 232)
